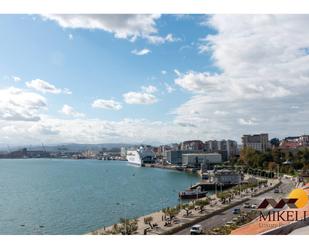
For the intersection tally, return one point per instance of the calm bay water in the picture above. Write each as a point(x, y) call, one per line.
point(54, 196)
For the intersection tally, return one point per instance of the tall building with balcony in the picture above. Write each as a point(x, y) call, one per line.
point(227, 148)
point(258, 142)
point(192, 145)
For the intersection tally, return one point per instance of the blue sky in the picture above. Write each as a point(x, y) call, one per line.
point(95, 64)
point(151, 78)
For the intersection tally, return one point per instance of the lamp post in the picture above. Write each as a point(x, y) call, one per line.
point(216, 188)
point(278, 171)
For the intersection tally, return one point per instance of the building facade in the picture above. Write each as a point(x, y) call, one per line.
point(258, 142)
point(295, 142)
point(227, 148)
point(123, 152)
point(198, 159)
point(226, 177)
point(192, 145)
point(173, 157)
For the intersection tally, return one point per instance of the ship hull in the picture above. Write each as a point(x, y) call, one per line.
point(134, 158)
point(187, 196)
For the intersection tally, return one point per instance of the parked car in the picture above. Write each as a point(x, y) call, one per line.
point(276, 191)
point(196, 229)
point(230, 223)
point(253, 206)
point(236, 211)
point(247, 205)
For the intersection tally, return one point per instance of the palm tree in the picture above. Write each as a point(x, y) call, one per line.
point(202, 204)
point(170, 212)
point(148, 220)
point(128, 227)
point(187, 207)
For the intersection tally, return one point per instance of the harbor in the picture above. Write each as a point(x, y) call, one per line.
point(164, 223)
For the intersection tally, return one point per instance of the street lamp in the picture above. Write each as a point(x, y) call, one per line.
point(278, 171)
point(216, 188)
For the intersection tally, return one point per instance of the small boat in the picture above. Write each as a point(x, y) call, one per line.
point(179, 168)
point(192, 194)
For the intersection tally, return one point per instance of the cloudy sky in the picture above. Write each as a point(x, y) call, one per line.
point(151, 78)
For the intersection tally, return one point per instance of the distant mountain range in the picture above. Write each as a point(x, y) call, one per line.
point(69, 147)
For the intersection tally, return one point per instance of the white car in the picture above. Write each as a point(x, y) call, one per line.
point(196, 229)
point(253, 206)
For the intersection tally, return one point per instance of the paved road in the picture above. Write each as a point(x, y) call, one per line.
point(222, 218)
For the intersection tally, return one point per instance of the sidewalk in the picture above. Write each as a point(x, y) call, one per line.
point(181, 219)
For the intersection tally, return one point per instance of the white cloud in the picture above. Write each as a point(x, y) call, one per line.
point(139, 98)
point(177, 72)
point(250, 121)
point(260, 56)
point(261, 85)
point(145, 97)
point(106, 104)
point(262, 70)
point(163, 72)
point(141, 52)
point(67, 91)
point(70, 111)
point(45, 87)
point(16, 78)
point(20, 105)
point(169, 88)
point(154, 39)
point(149, 89)
point(197, 82)
point(123, 26)
point(220, 113)
point(71, 37)
point(54, 131)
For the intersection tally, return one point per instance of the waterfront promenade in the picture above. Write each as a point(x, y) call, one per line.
point(181, 222)
point(265, 226)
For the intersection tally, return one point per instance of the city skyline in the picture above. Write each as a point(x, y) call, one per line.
point(152, 79)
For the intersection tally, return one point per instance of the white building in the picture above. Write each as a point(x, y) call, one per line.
point(226, 177)
point(197, 159)
point(123, 152)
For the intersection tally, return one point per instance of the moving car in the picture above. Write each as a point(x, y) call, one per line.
point(236, 211)
point(276, 191)
point(196, 229)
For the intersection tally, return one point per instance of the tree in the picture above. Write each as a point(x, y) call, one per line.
point(115, 230)
point(290, 156)
point(277, 155)
point(170, 212)
point(187, 207)
point(247, 155)
point(275, 142)
point(148, 220)
point(223, 196)
point(128, 227)
point(202, 204)
point(306, 156)
point(272, 166)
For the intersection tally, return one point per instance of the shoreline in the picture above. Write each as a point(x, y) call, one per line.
point(183, 220)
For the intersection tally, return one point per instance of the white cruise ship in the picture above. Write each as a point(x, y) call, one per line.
point(142, 155)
